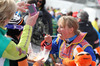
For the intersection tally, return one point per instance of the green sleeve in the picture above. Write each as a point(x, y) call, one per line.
point(18, 51)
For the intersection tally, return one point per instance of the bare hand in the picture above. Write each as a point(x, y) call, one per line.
point(48, 38)
point(31, 20)
point(22, 6)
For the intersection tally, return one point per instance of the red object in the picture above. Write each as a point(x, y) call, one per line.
point(99, 2)
point(43, 43)
point(75, 14)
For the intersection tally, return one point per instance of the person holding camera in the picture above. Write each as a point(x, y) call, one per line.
point(9, 49)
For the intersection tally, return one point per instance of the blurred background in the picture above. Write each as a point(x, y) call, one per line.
point(91, 6)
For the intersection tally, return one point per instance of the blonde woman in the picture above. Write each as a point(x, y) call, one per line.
point(8, 48)
point(69, 37)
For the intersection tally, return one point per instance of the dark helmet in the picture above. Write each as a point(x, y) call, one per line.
point(17, 20)
point(15, 26)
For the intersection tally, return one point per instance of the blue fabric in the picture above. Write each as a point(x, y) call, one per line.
point(71, 39)
point(18, 13)
point(4, 41)
point(91, 52)
point(56, 48)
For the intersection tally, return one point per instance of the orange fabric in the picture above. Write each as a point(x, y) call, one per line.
point(20, 22)
point(93, 63)
point(98, 50)
point(79, 49)
point(81, 61)
point(68, 62)
point(23, 63)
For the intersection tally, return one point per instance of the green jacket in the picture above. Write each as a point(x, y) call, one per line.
point(9, 50)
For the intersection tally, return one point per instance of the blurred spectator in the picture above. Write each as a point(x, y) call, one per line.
point(92, 34)
point(95, 24)
point(54, 24)
point(58, 14)
point(64, 12)
point(52, 12)
point(97, 50)
point(86, 26)
point(75, 14)
point(46, 18)
point(44, 22)
point(70, 13)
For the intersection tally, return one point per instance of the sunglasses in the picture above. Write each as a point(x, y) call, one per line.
point(39, 1)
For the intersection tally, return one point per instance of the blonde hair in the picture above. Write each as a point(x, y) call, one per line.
point(7, 10)
point(71, 22)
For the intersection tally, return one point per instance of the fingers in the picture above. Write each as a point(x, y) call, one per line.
point(32, 19)
point(22, 6)
point(36, 15)
point(48, 38)
point(22, 9)
point(22, 3)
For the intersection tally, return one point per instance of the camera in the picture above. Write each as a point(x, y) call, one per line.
point(32, 9)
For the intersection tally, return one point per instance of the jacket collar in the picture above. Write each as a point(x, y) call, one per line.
point(71, 39)
point(3, 30)
point(79, 38)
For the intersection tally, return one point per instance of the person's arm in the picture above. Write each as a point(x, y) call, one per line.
point(14, 51)
point(52, 57)
point(53, 46)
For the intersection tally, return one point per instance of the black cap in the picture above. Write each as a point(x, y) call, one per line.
point(17, 20)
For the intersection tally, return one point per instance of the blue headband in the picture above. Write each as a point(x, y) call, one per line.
point(9, 26)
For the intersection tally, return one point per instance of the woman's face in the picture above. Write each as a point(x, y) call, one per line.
point(39, 3)
point(64, 32)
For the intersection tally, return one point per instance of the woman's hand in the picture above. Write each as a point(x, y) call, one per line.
point(48, 38)
point(22, 6)
point(31, 20)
